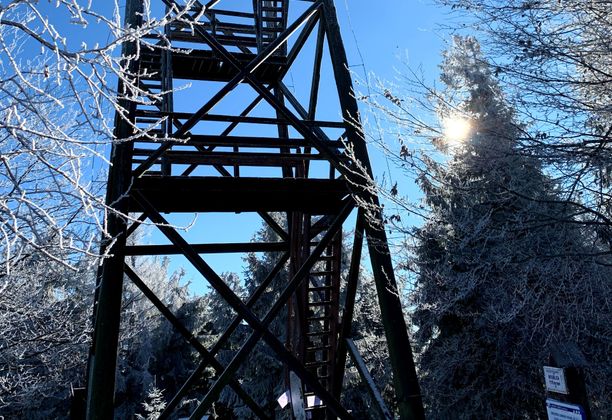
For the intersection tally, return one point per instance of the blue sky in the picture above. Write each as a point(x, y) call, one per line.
point(391, 30)
point(379, 39)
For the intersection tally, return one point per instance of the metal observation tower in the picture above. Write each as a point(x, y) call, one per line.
point(270, 148)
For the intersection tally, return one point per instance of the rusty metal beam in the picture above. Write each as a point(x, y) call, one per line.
point(219, 248)
point(107, 306)
point(405, 378)
point(238, 119)
point(261, 331)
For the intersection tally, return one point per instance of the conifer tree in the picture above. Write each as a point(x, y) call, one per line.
point(263, 374)
point(44, 336)
point(500, 280)
point(151, 365)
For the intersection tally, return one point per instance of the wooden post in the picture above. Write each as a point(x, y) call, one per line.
point(103, 354)
point(568, 357)
point(405, 379)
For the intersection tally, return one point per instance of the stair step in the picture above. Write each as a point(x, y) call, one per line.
point(320, 318)
point(320, 288)
point(322, 303)
point(318, 348)
point(155, 75)
point(318, 363)
point(318, 333)
point(150, 54)
point(271, 19)
point(315, 408)
point(150, 86)
point(321, 273)
point(146, 121)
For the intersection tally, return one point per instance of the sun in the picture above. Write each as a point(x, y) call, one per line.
point(456, 129)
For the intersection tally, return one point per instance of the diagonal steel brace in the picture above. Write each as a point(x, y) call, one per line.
point(259, 327)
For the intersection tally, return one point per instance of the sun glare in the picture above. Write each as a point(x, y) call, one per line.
point(456, 129)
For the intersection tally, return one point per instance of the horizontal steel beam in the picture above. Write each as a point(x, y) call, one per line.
point(233, 118)
point(218, 248)
point(245, 141)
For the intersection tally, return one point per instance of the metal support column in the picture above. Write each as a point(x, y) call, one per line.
point(103, 353)
point(405, 379)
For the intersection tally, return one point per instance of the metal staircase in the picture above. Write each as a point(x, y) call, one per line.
point(322, 321)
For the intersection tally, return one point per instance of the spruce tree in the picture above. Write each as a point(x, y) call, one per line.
point(503, 272)
point(151, 352)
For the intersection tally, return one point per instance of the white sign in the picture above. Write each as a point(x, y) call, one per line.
point(283, 400)
point(555, 380)
point(558, 410)
point(313, 401)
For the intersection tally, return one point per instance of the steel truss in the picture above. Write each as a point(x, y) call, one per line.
point(162, 169)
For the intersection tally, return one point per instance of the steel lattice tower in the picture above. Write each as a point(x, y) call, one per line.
point(183, 162)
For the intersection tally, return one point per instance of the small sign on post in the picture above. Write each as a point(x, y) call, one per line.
point(555, 380)
point(283, 400)
point(558, 410)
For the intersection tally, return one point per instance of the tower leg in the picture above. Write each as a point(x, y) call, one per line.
point(101, 381)
point(107, 317)
point(400, 353)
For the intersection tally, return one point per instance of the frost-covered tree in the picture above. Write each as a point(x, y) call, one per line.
point(502, 273)
point(554, 59)
point(152, 355)
point(263, 376)
point(62, 80)
point(207, 316)
point(153, 406)
point(45, 313)
point(44, 336)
